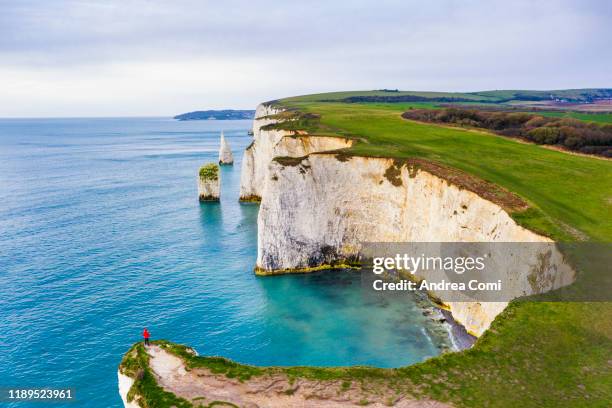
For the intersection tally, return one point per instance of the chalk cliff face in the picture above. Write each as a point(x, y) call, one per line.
point(259, 153)
point(208, 190)
point(320, 208)
point(271, 143)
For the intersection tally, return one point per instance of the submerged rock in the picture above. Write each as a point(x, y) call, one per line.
point(209, 181)
point(225, 152)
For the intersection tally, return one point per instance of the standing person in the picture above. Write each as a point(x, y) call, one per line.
point(146, 335)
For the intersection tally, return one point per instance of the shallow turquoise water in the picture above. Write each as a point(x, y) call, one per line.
point(102, 234)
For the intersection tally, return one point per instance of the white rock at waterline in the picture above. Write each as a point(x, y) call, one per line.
point(125, 383)
point(225, 152)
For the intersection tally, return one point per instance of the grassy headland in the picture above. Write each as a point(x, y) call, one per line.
point(534, 355)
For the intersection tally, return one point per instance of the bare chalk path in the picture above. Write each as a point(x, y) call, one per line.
point(269, 391)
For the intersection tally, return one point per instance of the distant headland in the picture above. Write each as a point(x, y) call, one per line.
point(225, 114)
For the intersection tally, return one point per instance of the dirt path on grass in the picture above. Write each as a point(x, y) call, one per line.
point(270, 391)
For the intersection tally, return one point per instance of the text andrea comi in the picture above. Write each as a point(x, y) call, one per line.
point(443, 285)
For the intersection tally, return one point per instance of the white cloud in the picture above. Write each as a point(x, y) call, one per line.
point(74, 58)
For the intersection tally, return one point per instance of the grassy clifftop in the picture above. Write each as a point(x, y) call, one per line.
point(495, 97)
point(570, 196)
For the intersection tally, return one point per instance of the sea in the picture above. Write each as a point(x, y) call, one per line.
point(102, 234)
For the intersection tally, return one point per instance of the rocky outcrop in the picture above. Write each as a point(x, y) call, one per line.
point(225, 152)
point(261, 151)
point(318, 208)
point(270, 143)
point(209, 181)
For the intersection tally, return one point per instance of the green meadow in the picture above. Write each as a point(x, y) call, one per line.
point(570, 195)
point(603, 118)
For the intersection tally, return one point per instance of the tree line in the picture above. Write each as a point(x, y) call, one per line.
point(572, 134)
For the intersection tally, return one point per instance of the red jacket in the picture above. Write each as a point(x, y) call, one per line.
point(145, 334)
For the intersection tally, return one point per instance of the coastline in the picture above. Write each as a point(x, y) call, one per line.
point(437, 311)
point(285, 193)
point(460, 337)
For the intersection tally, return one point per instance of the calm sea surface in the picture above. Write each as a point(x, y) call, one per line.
point(101, 233)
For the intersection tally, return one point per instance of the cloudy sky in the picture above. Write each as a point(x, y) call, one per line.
point(139, 57)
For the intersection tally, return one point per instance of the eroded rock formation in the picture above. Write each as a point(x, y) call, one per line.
point(209, 181)
point(225, 152)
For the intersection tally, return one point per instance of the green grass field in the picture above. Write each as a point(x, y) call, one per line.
point(571, 195)
point(498, 96)
point(603, 118)
point(336, 96)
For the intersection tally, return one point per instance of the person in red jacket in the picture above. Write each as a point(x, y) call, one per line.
point(146, 335)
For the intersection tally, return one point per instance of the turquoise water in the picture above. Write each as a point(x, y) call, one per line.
point(102, 234)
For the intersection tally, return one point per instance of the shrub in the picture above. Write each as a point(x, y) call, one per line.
point(209, 171)
point(572, 134)
point(544, 135)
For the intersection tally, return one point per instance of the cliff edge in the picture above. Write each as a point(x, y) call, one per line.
point(170, 375)
point(319, 204)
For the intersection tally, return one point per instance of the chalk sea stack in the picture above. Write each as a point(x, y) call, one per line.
point(209, 181)
point(225, 152)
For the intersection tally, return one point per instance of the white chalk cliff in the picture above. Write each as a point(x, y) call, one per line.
point(225, 152)
point(319, 207)
point(271, 143)
point(125, 383)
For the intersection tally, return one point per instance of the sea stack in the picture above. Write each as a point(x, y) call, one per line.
point(209, 181)
point(225, 153)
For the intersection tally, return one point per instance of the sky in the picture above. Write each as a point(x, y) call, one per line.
point(158, 58)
